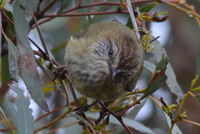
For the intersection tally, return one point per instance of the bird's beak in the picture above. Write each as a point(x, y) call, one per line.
point(113, 71)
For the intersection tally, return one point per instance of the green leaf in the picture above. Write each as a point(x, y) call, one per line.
point(171, 77)
point(24, 116)
point(198, 61)
point(159, 77)
point(162, 65)
point(10, 30)
point(148, 7)
point(13, 56)
point(129, 23)
point(27, 63)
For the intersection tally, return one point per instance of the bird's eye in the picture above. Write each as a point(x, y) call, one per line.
point(110, 52)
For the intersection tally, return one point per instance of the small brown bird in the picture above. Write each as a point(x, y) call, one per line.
point(104, 60)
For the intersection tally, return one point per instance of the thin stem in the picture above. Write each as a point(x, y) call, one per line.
point(189, 12)
point(63, 126)
point(46, 57)
point(84, 14)
point(119, 118)
point(54, 121)
point(79, 6)
point(53, 111)
point(42, 12)
point(192, 122)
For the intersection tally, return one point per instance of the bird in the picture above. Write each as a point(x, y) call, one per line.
point(104, 60)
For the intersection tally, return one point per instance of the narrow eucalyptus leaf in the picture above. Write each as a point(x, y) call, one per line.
point(133, 113)
point(31, 5)
point(13, 56)
point(175, 129)
point(149, 66)
point(24, 116)
point(27, 63)
point(171, 77)
point(159, 77)
point(10, 109)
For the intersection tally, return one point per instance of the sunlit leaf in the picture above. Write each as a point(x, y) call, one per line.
point(24, 116)
point(49, 86)
point(145, 41)
point(117, 108)
point(194, 82)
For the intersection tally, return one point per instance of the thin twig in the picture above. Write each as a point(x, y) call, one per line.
point(118, 117)
point(46, 57)
point(47, 51)
point(54, 121)
point(63, 126)
point(42, 12)
point(192, 122)
point(84, 14)
point(53, 111)
point(79, 6)
point(189, 12)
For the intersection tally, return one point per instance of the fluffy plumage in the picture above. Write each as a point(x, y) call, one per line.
point(104, 61)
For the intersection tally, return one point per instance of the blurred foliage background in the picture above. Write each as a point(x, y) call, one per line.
point(179, 35)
